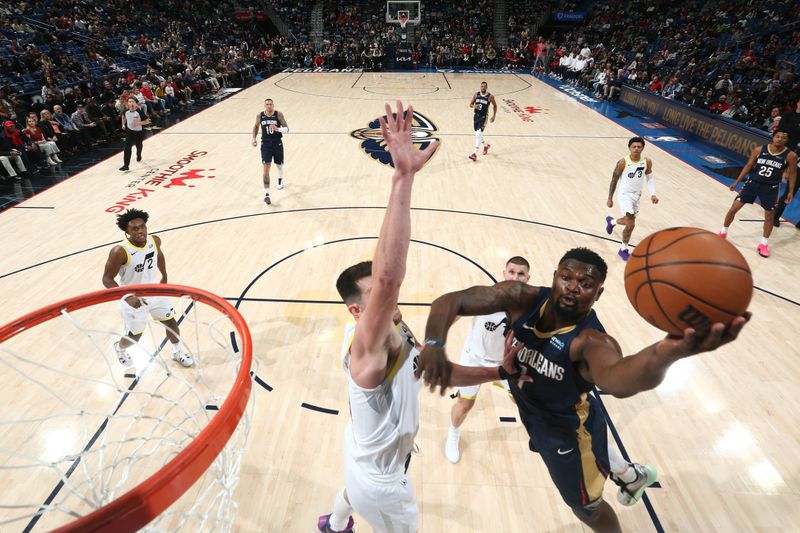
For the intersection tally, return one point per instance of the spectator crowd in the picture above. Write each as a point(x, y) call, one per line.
point(68, 67)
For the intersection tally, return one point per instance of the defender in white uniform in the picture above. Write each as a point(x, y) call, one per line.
point(380, 356)
point(633, 168)
point(484, 348)
point(136, 260)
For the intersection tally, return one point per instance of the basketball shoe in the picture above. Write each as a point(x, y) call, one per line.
point(486, 149)
point(474, 157)
point(451, 448)
point(122, 356)
point(624, 254)
point(609, 225)
point(630, 493)
point(763, 250)
point(183, 358)
point(324, 525)
point(267, 200)
point(280, 183)
point(722, 235)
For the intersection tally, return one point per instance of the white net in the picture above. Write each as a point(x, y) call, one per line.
point(83, 430)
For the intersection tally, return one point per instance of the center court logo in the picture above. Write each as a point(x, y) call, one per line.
point(423, 133)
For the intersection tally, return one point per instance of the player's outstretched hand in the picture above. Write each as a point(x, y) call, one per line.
point(434, 368)
point(396, 131)
point(690, 344)
point(510, 349)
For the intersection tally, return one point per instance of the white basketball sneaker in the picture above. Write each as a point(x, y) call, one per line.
point(451, 448)
point(183, 358)
point(630, 493)
point(122, 356)
point(280, 183)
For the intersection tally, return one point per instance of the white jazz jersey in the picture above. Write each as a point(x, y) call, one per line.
point(486, 338)
point(384, 420)
point(632, 177)
point(141, 265)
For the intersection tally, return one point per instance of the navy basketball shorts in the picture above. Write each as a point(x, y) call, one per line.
point(767, 194)
point(577, 457)
point(272, 152)
point(479, 122)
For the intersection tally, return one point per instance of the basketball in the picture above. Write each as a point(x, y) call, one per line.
point(679, 278)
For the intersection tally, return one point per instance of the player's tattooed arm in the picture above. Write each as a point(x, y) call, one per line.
point(255, 128)
point(472, 102)
point(614, 179)
point(494, 107)
point(513, 297)
point(284, 127)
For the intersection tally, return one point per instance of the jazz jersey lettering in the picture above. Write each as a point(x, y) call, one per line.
point(632, 177)
point(142, 263)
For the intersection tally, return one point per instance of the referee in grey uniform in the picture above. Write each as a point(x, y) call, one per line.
point(132, 121)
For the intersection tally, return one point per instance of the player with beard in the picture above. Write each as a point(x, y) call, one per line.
point(567, 352)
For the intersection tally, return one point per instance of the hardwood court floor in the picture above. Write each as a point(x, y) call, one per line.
point(720, 429)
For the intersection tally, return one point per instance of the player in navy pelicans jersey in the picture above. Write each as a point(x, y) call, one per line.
point(480, 104)
point(273, 127)
point(766, 167)
point(567, 352)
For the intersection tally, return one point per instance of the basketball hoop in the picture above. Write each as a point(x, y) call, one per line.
point(190, 442)
point(402, 17)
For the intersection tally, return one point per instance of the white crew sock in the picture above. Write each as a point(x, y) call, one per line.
point(620, 466)
point(341, 512)
point(765, 241)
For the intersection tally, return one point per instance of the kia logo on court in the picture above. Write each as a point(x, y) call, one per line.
point(423, 133)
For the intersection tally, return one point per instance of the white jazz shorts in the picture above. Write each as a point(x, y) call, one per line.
point(135, 319)
point(471, 392)
point(628, 202)
point(388, 507)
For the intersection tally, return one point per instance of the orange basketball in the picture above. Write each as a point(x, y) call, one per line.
point(687, 277)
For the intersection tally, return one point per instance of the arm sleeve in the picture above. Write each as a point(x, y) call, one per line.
point(283, 129)
point(651, 183)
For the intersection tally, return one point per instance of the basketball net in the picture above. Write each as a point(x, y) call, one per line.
point(92, 446)
point(403, 21)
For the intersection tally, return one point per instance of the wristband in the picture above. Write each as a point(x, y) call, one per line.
point(506, 376)
point(435, 342)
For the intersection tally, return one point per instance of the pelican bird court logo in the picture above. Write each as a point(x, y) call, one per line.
point(423, 133)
